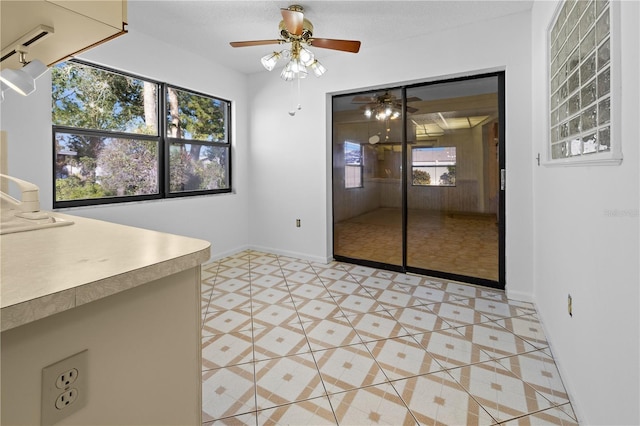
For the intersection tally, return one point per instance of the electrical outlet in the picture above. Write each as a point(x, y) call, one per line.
point(297, 223)
point(66, 378)
point(64, 388)
point(66, 398)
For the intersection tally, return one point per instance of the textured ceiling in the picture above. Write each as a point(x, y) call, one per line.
point(206, 27)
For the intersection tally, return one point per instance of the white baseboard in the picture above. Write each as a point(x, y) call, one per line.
point(222, 255)
point(302, 256)
point(519, 295)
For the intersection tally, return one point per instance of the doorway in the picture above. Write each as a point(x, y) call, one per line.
point(416, 179)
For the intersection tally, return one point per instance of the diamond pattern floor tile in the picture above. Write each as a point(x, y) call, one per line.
point(402, 357)
point(285, 380)
point(228, 391)
point(224, 350)
point(272, 342)
point(458, 312)
point(396, 298)
point(358, 303)
point(330, 333)
point(549, 417)
point(374, 405)
point(495, 340)
point(344, 287)
point(347, 368)
point(538, 370)
point(376, 325)
point(242, 420)
point(309, 291)
point(287, 341)
point(265, 315)
point(503, 395)
point(316, 411)
point(419, 319)
point(527, 327)
point(312, 310)
point(227, 321)
point(437, 399)
point(450, 348)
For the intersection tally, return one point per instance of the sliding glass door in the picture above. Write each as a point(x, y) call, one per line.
point(442, 214)
point(367, 178)
point(452, 187)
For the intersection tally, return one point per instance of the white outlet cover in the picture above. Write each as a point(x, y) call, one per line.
point(51, 393)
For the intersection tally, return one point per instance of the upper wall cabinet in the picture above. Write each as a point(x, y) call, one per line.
point(54, 30)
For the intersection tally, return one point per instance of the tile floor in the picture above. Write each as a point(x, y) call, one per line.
point(286, 341)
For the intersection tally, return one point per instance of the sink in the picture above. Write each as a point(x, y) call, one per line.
point(11, 224)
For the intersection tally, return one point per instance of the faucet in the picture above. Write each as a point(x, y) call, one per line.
point(29, 204)
point(14, 212)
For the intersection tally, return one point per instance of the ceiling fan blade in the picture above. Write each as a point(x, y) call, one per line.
point(363, 99)
point(292, 21)
point(413, 99)
point(352, 46)
point(254, 43)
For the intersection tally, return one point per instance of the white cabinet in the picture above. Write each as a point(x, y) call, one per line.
point(77, 25)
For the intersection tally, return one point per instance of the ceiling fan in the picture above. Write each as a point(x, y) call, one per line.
point(297, 30)
point(385, 106)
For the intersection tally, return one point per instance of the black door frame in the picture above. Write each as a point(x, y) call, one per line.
point(501, 283)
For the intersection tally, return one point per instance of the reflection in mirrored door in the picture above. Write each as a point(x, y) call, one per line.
point(442, 214)
point(367, 177)
point(452, 186)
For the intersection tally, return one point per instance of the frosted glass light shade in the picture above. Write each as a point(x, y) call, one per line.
point(294, 69)
point(317, 68)
point(287, 73)
point(269, 61)
point(306, 56)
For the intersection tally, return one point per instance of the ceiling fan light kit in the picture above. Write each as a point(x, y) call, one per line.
point(382, 112)
point(383, 107)
point(298, 31)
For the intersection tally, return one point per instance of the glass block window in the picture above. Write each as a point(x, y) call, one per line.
point(580, 79)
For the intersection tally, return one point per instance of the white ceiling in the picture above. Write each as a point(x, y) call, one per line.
point(206, 27)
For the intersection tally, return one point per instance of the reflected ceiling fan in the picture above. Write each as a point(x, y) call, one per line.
point(297, 30)
point(385, 106)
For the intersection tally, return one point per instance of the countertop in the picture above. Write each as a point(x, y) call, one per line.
point(51, 270)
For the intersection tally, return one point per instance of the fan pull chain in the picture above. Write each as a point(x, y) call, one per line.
point(299, 101)
point(292, 111)
point(295, 107)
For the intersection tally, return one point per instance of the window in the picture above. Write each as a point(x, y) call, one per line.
point(111, 145)
point(198, 142)
point(433, 166)
point(581, 61)
point(352, 165)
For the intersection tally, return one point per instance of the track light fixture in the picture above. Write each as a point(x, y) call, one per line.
point(23, 80)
